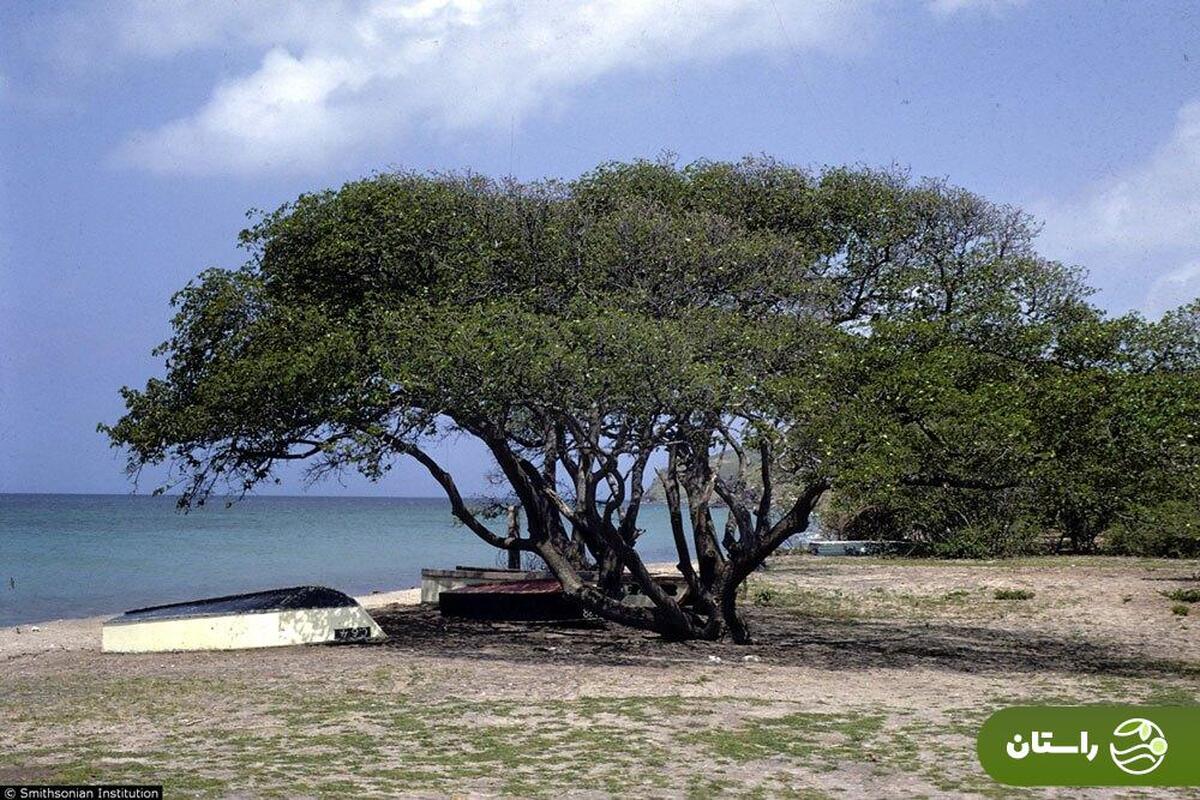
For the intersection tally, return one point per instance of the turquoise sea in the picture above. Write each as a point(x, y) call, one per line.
point(82, 555)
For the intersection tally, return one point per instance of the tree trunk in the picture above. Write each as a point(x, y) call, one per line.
point(514, 530)
point(734, 623)
point(609, 572)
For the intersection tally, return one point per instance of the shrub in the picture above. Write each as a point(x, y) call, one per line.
point(1013, 594)
point(1170, 530)
point(986, 539)
point(1180, 610)
point(765, 597)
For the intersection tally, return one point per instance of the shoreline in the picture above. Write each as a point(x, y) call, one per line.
point(372, 599)
point(899, 659)
point(83, 633)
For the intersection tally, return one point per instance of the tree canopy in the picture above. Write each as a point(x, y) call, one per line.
point(898, 341)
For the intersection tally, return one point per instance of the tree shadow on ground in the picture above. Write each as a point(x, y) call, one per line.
point(781, 638)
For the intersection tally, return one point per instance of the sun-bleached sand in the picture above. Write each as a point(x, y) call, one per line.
point(84, 633)
point(869, 678)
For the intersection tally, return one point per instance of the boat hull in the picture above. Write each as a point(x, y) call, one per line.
point(227, 624)
point(525, 601)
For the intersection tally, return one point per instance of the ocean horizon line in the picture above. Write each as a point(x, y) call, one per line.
point(240, 497)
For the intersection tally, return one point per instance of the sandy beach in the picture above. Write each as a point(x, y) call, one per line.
point(84, 633)
point(871, 679)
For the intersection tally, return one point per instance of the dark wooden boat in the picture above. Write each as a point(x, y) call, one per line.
point(529, 600)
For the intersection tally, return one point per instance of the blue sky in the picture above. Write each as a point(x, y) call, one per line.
point(134, 137)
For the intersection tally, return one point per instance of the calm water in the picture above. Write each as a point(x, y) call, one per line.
point(81, 555)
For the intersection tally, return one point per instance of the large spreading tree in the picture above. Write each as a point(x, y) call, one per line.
point(728, 330)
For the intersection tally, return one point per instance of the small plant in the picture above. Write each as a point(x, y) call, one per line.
point(1013, 594)
point(1181, 609)
point(1191, 595)
point(765, 597)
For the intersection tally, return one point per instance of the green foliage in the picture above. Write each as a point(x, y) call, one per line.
point(1181, 610)
point(445, 298)
point(1184, 595)
point(989, 534)
point(1171, 528)
point(1079, 430)
point(1013, 594)
point(765, 596)
point(753, 324)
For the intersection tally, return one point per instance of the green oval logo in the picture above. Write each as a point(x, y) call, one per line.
point(1092, 746)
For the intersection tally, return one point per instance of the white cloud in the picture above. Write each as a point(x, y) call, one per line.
point(1144, 217)
point(164, 28)
point(1155, 204)
point(280, 118)
point(1173, 289)
point(335, 77)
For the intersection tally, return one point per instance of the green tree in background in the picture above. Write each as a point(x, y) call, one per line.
point(851, 329)
point(1089, 427)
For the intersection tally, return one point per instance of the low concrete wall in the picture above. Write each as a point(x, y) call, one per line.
point(853, 547)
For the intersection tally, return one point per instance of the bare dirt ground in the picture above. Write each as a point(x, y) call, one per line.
point(870, 679)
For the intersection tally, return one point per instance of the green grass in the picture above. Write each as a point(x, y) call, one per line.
point(823, 740)
point(807, 563)
point(324, 740)
point(287, 738)
point(1180, 609)
point(765, 597)
point(889, 746)
point(1012, 594)
point(809, 602)
point(879, 602)
point(1189, 595)
point(1170, 695)
point(399, 729)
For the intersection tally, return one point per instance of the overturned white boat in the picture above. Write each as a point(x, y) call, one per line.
point(275, 618)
